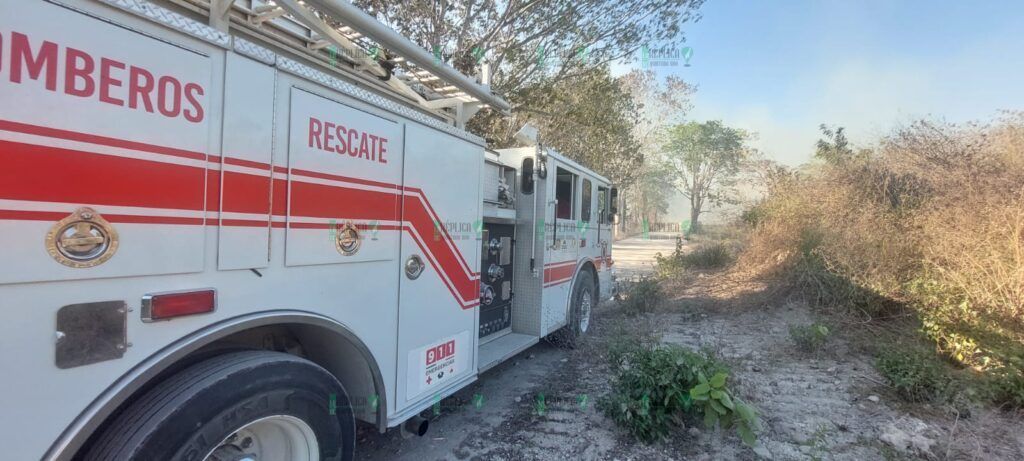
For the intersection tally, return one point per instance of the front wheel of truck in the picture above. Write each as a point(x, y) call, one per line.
point(256, 405)
point(582, 302)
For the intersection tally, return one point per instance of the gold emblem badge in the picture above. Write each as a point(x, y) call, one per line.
point(347, 239)
point(83, 239)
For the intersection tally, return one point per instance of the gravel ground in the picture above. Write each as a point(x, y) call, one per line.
point(829, 405)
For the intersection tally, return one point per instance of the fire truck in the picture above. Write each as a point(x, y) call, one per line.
point(232, 229)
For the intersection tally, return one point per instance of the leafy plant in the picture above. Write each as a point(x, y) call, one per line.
point(656, 389)
point(816, 444)
point(809, 338)
point(707, 256)
point(713, 255)
point(669, 266)
point(1007, 387)
point(719, 406)
point(915, 374)
point(642, 296)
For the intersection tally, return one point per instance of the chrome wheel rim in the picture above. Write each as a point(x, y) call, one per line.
point(277, 437)
point(585, 303)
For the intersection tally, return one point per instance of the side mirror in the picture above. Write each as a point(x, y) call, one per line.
point(527, 176)
point(613, 209)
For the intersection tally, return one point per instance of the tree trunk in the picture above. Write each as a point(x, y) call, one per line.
point(695, 209)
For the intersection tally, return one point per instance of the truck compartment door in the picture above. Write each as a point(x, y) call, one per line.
point(345, 166)
point(246, 164)
point(439, 288)
point(104, 142)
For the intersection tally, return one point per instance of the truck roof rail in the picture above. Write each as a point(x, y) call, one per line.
point(340, 34)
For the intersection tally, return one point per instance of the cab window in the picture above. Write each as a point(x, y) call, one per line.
point(602, 204)
point(585, 196)
point(565, 188)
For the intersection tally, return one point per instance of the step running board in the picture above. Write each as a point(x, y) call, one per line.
point(503, 348)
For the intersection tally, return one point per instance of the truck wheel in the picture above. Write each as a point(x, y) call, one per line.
point(243, 405)
point(584, 299)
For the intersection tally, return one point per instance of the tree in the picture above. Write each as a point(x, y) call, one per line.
point(653, 192)
point(836, 149)
point(660, 104)
point(589, 118)
point(527, 41)
point(706, 158)
point(533, 46)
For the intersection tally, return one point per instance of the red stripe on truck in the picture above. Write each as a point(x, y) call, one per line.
point(7, 125)
point(51, 174)
point(559, 273)
point(22, 215)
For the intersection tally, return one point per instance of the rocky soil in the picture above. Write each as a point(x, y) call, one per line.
point(830, 404)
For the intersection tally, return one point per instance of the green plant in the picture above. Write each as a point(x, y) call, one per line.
point(753, 216)
point(816, 444)
point(809, 338)
point(720, 407)
point(642, 296)
point(916, 375)
point(1006, 387)
point(707, 256)
point(624, 337)
point(656, 388)
point(669, 266)
point(712, 255)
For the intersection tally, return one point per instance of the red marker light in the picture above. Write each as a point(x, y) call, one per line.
point(163, 306)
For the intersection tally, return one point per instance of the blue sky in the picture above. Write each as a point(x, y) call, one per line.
point(782, 68)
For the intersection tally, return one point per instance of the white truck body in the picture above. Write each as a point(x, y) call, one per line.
point(215, 161)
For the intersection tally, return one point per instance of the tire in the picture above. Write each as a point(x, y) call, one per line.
point(269, 394)
point(584, 298)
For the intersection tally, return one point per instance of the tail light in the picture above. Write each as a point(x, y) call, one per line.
point(164, 306)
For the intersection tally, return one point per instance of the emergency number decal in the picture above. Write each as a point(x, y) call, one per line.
point(434, 365)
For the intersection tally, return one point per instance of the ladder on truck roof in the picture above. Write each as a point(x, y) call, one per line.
point(339, 35)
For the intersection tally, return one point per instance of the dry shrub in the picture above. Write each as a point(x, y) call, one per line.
point(932, 219)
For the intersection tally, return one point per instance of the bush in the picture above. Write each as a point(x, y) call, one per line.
point(916, 375)
point(656, 388)
point(809, 338)
point(931, 222)
point(712, 255)
point(642, 296)
point(1007, 387)
point(707, 256)
point(669, 266)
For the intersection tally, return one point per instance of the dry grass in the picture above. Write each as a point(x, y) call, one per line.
point(931, 220)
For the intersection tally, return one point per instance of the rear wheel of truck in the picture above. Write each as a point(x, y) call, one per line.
point(582, 303)
point(256, 405)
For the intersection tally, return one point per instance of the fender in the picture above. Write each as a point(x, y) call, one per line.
point(83, 426)
point(580, 266)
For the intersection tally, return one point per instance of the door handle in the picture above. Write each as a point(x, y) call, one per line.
point(413, 267)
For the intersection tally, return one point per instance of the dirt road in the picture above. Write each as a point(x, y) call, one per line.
point(830, 405)
point(635, 256)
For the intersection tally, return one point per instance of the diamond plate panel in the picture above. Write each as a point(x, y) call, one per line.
point(252, 50)
point(172, 20)
point(372, 98)
point(527, 303)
